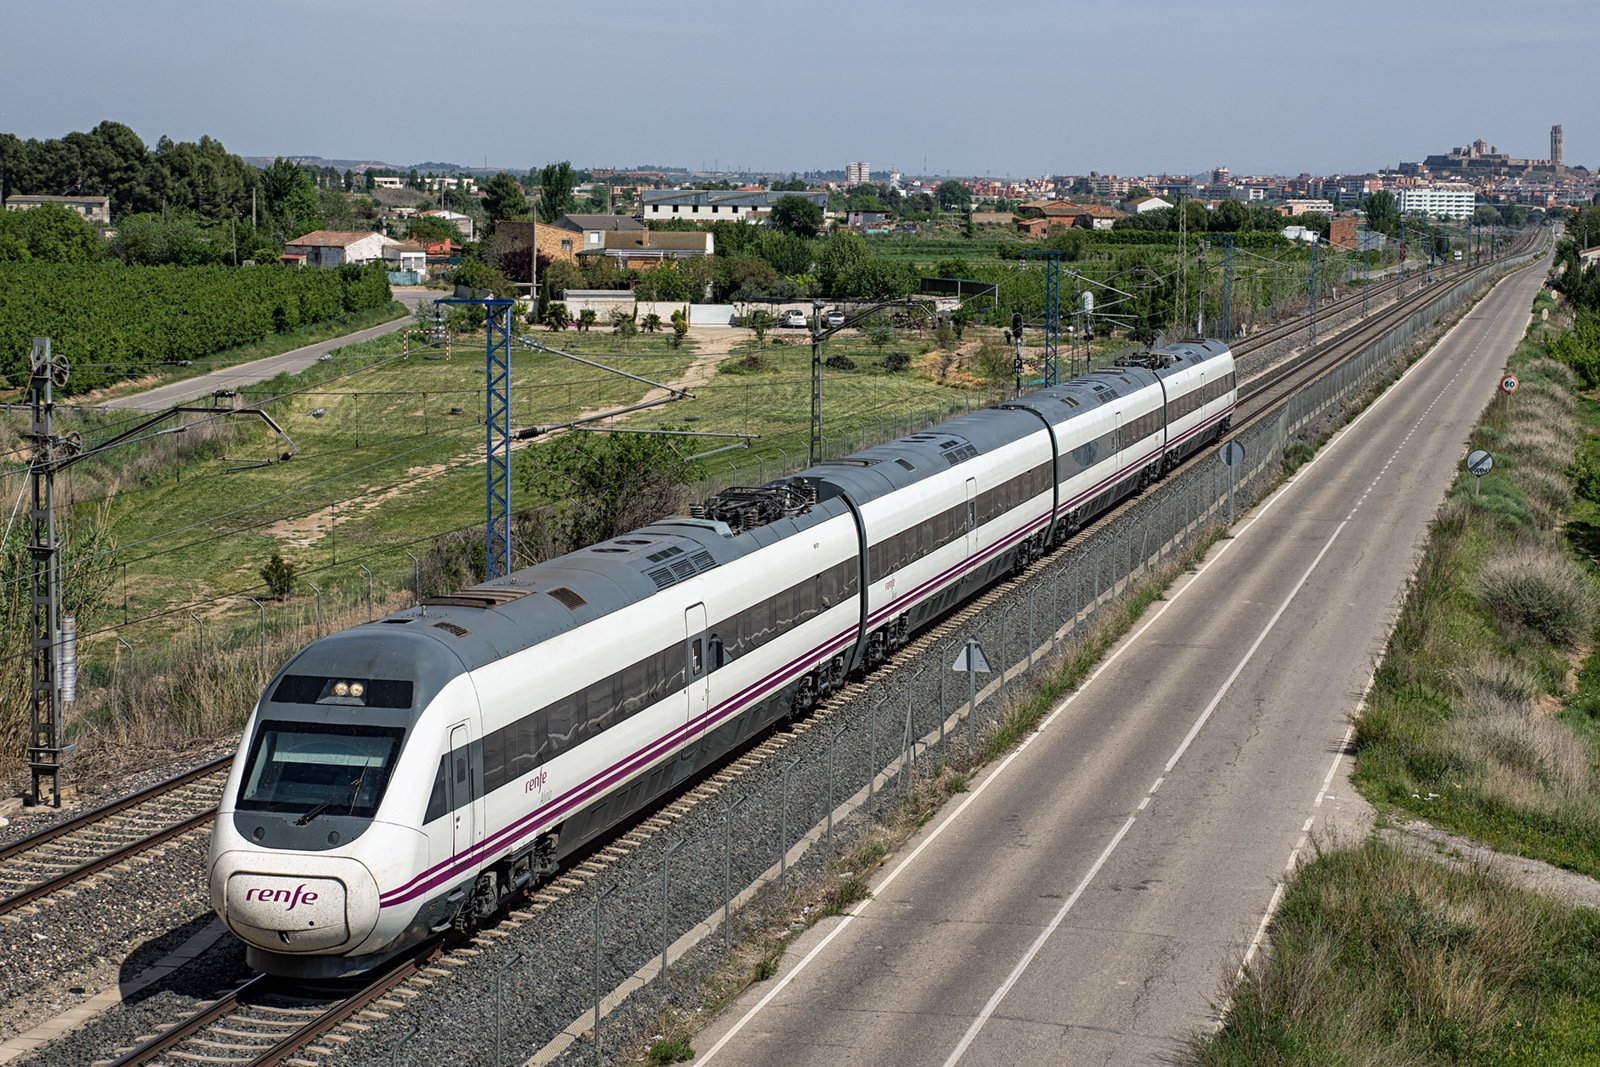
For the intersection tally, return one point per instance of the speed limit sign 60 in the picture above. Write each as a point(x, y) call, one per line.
point(1508, 384)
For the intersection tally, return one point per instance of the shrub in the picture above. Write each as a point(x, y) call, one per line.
point(840, 363)
point(895, 362)
point(1541, 590)
point(555, 316)
point(278, 573)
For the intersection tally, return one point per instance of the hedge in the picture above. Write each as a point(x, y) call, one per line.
point(133, 318)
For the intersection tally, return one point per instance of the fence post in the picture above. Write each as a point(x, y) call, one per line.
point(369, 589)
point(319, 608)
point(599, 900)
point(783, 829)
point(666, 861)
point(416, 580)
point(727, 868)
point(263, 609)
point(202, 623)
point(831, 740)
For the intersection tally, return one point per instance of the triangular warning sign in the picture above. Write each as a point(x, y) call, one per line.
point(971, 659)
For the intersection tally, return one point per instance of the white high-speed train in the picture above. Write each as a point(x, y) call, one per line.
point(410, 773)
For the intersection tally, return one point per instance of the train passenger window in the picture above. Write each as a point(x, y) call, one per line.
point(600, 705)
point(561, 727)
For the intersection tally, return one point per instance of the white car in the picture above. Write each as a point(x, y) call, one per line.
point(793, 318)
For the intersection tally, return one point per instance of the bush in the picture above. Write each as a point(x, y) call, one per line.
point(279, 576)
point(840, 363)
point(555, 316)
point(1541, 590)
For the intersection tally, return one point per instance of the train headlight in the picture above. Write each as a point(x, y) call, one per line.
point(341, 689)
point(356, 689)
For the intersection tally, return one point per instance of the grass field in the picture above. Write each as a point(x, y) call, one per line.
point(389, 450)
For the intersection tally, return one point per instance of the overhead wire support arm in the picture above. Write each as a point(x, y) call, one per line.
point(540, 346)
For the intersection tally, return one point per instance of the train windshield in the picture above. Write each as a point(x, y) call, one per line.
point(312, 769)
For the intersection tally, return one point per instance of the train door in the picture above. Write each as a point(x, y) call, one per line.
point(696, 666)
point(972, 516)
point(459, 789)
point(1117, 444)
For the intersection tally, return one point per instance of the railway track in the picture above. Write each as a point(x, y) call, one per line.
point(265, 1021)
point(87, 844)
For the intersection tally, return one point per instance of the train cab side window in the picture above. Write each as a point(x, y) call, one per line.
point(437, 804)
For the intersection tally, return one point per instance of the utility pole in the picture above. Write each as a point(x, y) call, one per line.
point(46, 754)
point(814, 448)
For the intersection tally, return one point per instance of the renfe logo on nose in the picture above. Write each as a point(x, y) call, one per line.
point(292, 897)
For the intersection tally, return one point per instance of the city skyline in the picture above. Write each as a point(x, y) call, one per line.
point(1156, 92)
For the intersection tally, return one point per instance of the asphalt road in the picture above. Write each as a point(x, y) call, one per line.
point(261, 370)
point(1091, 896)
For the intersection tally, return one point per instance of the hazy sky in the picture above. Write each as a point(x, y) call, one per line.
point(1022, 88)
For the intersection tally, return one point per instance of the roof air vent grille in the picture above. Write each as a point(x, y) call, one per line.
point(570, 600)
point(452, 628)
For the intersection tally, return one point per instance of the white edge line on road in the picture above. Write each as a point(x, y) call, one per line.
point(1033, 949)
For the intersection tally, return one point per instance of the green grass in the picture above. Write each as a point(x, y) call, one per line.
point(1456, 729)
point(1378, 957)
point(387, 461)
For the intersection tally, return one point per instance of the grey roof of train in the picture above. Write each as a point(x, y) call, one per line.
point(613, 574)
point(558, 595)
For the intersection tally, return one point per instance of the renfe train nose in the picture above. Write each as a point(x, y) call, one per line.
point(332, 906)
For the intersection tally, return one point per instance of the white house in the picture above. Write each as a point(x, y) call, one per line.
point(709, 205)
point(388, 183)
point(1142, 204)
point(406, 255)
point(333, 248)
point(93, 208)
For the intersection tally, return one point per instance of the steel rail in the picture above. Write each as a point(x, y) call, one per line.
point(78, 822)
point(78, 874)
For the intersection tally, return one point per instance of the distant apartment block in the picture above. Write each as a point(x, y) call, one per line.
point(1453, 199)
point(96, 209)
point(709, 205)
point(857, 173)
point(388, 183)
point(1300, 207)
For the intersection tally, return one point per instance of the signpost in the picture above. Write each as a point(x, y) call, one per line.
point(971, 660)
point(1508, 385)
point(1479, 463)
point(1233, 455)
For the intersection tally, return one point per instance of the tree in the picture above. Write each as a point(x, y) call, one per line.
point(1138, 192)
point(148, 240)
point(606, 484)
point(556, 317)
point(556, 182)
point(953, 196)
point(49, 233)
point(429, 229)
point(1231, 216)
point(1383, 213)
point(797, 215)
point(503, 198)
point(838, 255)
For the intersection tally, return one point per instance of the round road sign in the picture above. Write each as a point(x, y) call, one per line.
point(1508, 384)
point(1233, 453)
point(1480, 463)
